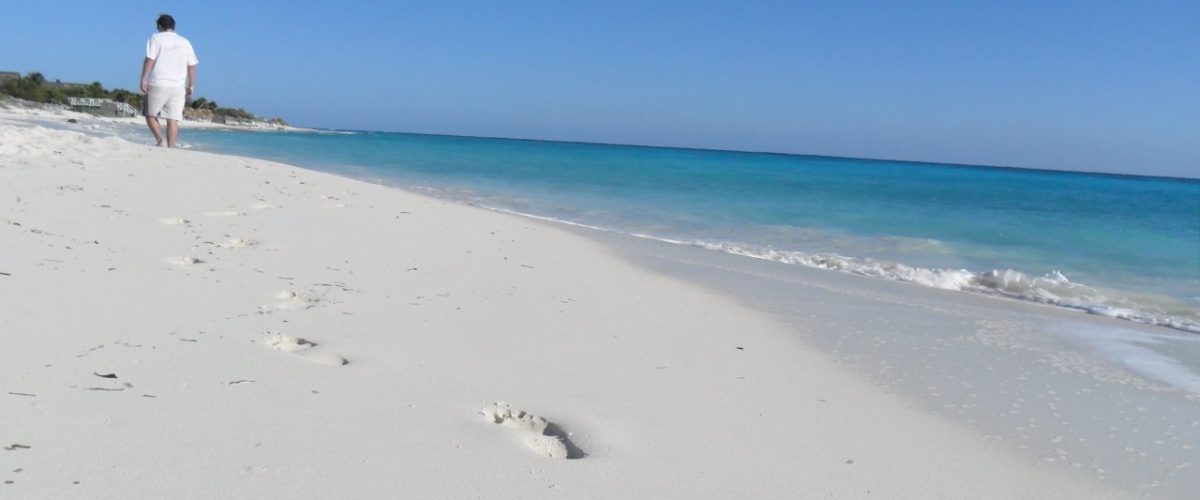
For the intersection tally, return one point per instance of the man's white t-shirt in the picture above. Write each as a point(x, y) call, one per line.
point(172, 55)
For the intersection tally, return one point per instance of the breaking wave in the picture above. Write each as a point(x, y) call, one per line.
point(1053, 288)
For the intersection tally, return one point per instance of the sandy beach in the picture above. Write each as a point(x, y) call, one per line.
point(179, 324)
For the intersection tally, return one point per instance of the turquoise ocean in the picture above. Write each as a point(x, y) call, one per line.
point(1121, 246)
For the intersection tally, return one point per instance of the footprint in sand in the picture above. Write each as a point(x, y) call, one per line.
point(292, 301)
point(304, 348)
point(540, 435)
point(329, 197)
point(185, 260)
point(238, 243)
point(174, 221)
point(224, 213)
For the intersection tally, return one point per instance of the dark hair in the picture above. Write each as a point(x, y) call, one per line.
point(166, 22)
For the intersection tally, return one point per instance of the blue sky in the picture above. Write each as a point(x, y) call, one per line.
point(1096, 86)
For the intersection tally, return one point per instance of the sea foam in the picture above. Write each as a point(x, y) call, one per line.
point(1053, 288)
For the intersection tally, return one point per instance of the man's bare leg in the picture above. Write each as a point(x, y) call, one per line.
point(152, 122)
point(172, 132)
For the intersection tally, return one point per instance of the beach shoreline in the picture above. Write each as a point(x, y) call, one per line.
point(46, 114)
point(1116, 399)
point(191, 276)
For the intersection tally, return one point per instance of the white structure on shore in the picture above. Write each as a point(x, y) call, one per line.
point(106, 106)
point(87, 102)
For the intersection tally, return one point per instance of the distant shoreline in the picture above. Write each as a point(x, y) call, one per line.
point(52, 111)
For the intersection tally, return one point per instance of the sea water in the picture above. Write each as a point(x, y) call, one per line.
point(1122, 246)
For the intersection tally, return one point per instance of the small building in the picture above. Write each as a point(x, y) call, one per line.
point(9, 75)
point(102, 107)
point(87, 102)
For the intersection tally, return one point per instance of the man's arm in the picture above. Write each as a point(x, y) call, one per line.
point(147, 65)
point(191, 81)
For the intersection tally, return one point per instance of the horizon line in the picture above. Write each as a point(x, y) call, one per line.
point(776, 153)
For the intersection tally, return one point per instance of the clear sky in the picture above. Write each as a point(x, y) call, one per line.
point(1109, 86)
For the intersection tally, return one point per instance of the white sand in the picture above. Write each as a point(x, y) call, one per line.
point(223, 295)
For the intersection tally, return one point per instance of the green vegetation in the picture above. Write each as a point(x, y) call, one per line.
point(204, 109)
point(202, 103)
point(34, 87)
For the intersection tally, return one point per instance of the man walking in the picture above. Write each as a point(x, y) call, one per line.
point(168, 79)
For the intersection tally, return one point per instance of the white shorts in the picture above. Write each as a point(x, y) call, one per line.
point(164, 102)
